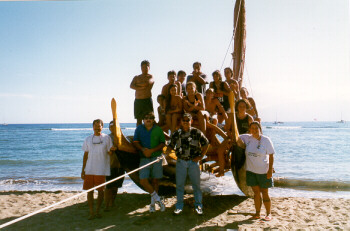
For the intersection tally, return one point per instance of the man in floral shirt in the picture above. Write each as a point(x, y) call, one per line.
point(190, 145)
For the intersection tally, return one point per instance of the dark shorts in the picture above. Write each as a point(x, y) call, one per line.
point(142, 107)
point(115, 172)
point(261, 180)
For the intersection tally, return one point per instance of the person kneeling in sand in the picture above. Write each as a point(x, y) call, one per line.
point(96, 165)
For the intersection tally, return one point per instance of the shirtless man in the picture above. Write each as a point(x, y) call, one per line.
point(142, 84)
point(172, 80)
point(212, 105)
point(198, 78)
point(181, 77)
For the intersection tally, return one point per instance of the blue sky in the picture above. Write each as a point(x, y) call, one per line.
point(63, 61)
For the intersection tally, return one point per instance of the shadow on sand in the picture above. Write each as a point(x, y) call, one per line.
point(131, 213)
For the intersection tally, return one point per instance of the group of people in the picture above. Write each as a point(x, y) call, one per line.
point(194, 115)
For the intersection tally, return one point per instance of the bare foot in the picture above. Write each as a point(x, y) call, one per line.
point(220, 174)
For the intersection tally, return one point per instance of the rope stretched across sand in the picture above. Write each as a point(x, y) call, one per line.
point(70, 198)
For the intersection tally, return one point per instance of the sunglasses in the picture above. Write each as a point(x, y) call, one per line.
point(149, 118)
point(186, 120)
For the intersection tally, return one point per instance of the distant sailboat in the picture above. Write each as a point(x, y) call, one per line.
point(276, 121)
point(341, 121)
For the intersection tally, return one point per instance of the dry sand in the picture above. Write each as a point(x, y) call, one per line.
point(131, 213)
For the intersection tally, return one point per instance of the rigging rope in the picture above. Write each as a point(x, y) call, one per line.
point(77, 195)
point(234, 33)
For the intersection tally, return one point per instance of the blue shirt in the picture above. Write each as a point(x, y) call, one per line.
point(149, 139)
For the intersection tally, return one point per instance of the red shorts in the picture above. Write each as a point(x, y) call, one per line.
point(91, 181)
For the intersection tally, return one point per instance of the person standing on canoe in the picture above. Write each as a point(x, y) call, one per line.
point(149, 139)
point(190, 145)
point(142, 84)
point(259, 153)
point(96, 165)
point(198, 78)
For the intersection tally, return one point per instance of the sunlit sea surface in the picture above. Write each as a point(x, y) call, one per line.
point(312, 159)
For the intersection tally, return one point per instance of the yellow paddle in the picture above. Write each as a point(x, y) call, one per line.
point(116, 132)
point(231, 99)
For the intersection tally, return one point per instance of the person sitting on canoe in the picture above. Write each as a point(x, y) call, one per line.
point(213, 106)
point(181, 77)
point(221, 89)
point(190, 145)
point(172, 80)
point(198, 78)
point(234, 86)
point(142, 84)
point(243, 118)
point(228, 72)
point(173, 108)
point(259, 153)
point(149, 140)
point(161, 111)
point(251, 110)
point(194, 104)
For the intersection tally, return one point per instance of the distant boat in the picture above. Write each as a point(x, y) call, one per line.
point(341, 121)
point(4, 124)
point(276, 121)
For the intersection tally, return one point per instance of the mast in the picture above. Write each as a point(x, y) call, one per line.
point(238, 55)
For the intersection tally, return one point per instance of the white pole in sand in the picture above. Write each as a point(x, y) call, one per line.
point(69, 198)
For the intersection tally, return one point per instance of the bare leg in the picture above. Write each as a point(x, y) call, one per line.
point(108, 198)
point(99, 201)
point(90, 199)
point(114, 195)
point(168, 122)
point(221, 160)
point(201, 122)
point(257, 199)
point(148, 187)
point(174, 119)
point(266, 200)
point(155, 185)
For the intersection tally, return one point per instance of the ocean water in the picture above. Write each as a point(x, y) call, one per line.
point(312, 159)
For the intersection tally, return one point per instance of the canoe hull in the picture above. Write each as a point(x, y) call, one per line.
point(239, 171)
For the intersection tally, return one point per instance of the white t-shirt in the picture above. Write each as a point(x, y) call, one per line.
point(257, 153)
point(98, 162)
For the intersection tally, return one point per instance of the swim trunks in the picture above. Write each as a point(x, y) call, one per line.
point(142, 107)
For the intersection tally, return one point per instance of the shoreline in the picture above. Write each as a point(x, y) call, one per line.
point(132, 213)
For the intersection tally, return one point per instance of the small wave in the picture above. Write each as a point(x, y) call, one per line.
point(23, 182)
point(283, 127)
point(313, 185)
point(70, 129)
point(128, 128)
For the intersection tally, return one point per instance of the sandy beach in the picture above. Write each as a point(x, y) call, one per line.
point(230, 212)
